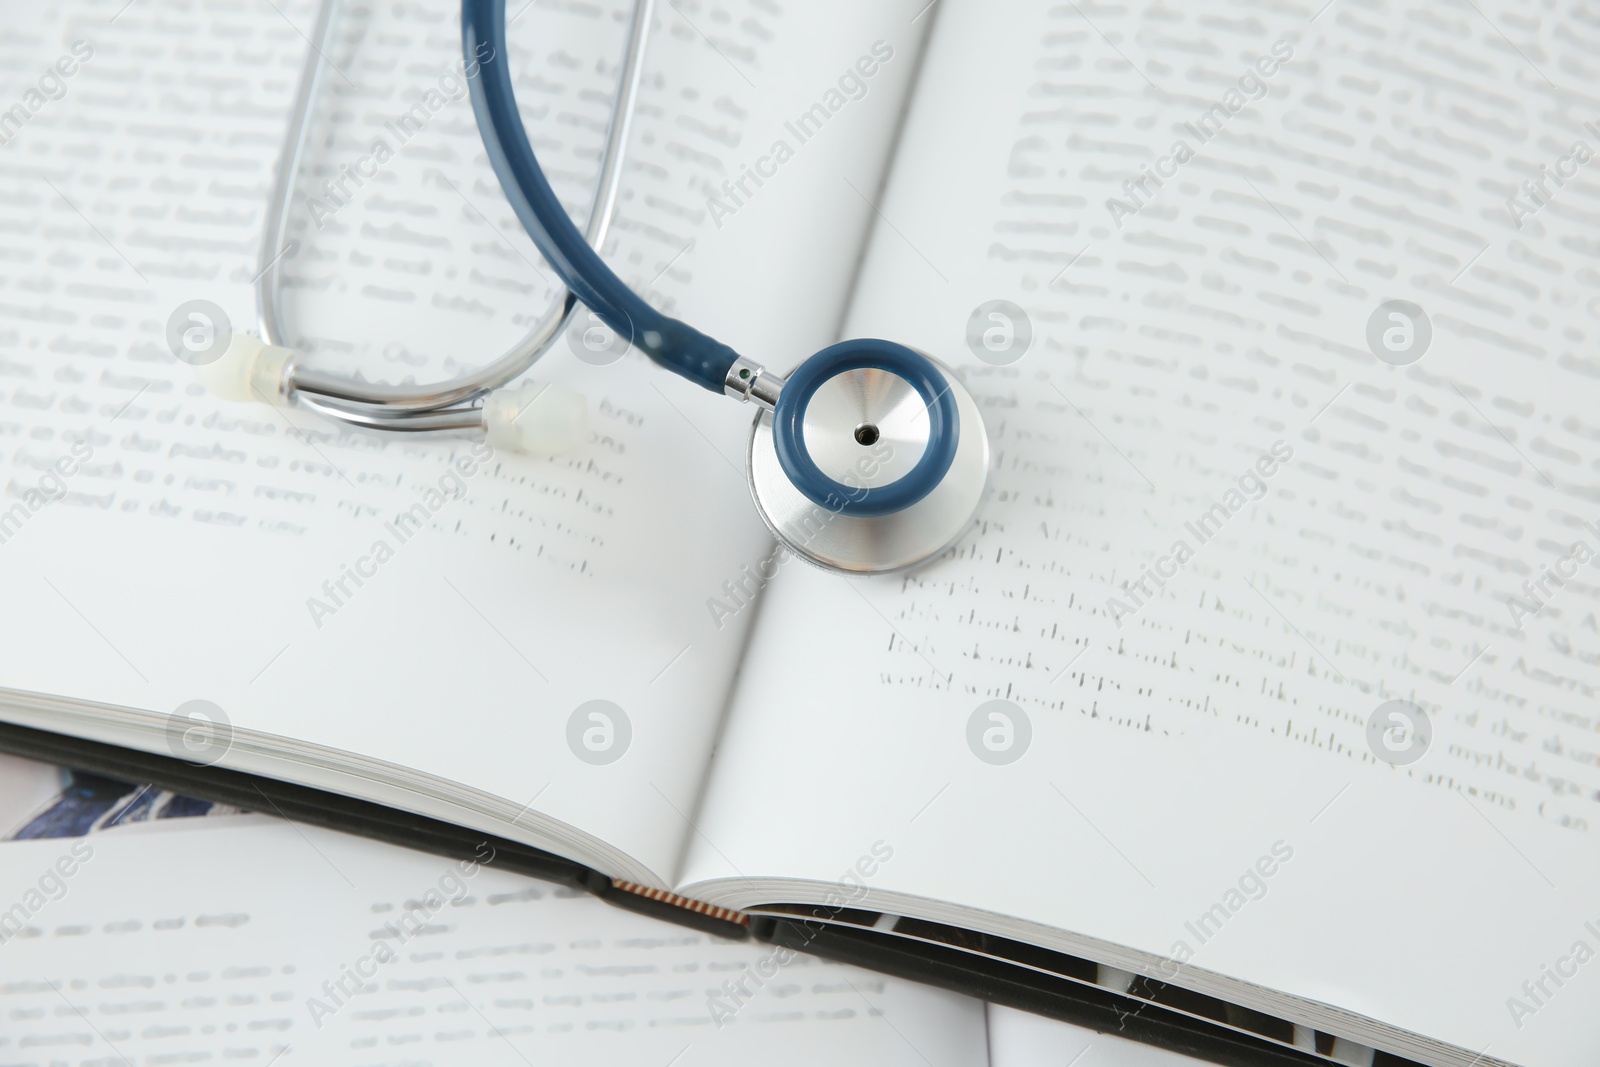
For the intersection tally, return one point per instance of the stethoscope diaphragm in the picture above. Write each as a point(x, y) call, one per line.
point(867, 429)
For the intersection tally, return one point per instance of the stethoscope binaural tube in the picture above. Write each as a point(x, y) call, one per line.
point(517, 414)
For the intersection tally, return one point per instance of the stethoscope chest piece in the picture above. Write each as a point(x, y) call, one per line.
point(873, 460)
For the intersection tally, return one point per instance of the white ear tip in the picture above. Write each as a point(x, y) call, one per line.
point(536, 418)
point(248, 369)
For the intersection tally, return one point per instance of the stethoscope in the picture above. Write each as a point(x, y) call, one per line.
point(869, 457)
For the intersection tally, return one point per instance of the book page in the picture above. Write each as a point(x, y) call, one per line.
point(441, 614)
point(382, 955)
point(1297, 429)
point(1018, 1039)
point(25, 787)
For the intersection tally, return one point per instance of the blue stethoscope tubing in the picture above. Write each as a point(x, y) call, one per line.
point(672, 343)
point(675, 345)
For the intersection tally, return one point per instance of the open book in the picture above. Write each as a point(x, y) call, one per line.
point(371, 954)
point(367, 952)
point(1255, 716)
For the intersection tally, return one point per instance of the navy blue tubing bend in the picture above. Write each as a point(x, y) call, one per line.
point(673, 344)
point(788, 428)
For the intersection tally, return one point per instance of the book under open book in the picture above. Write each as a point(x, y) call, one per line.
point(1254, 716)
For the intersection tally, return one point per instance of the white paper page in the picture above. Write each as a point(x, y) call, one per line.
point(1018, 1039)
point(177, 943)
point(1225, 717)
point(24, 787)
point(204, 551)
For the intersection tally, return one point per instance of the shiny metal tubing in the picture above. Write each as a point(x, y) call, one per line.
point(623, 108)
point(393, 404)
point(268, 289)
point(449, 420)
point(308, 381)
